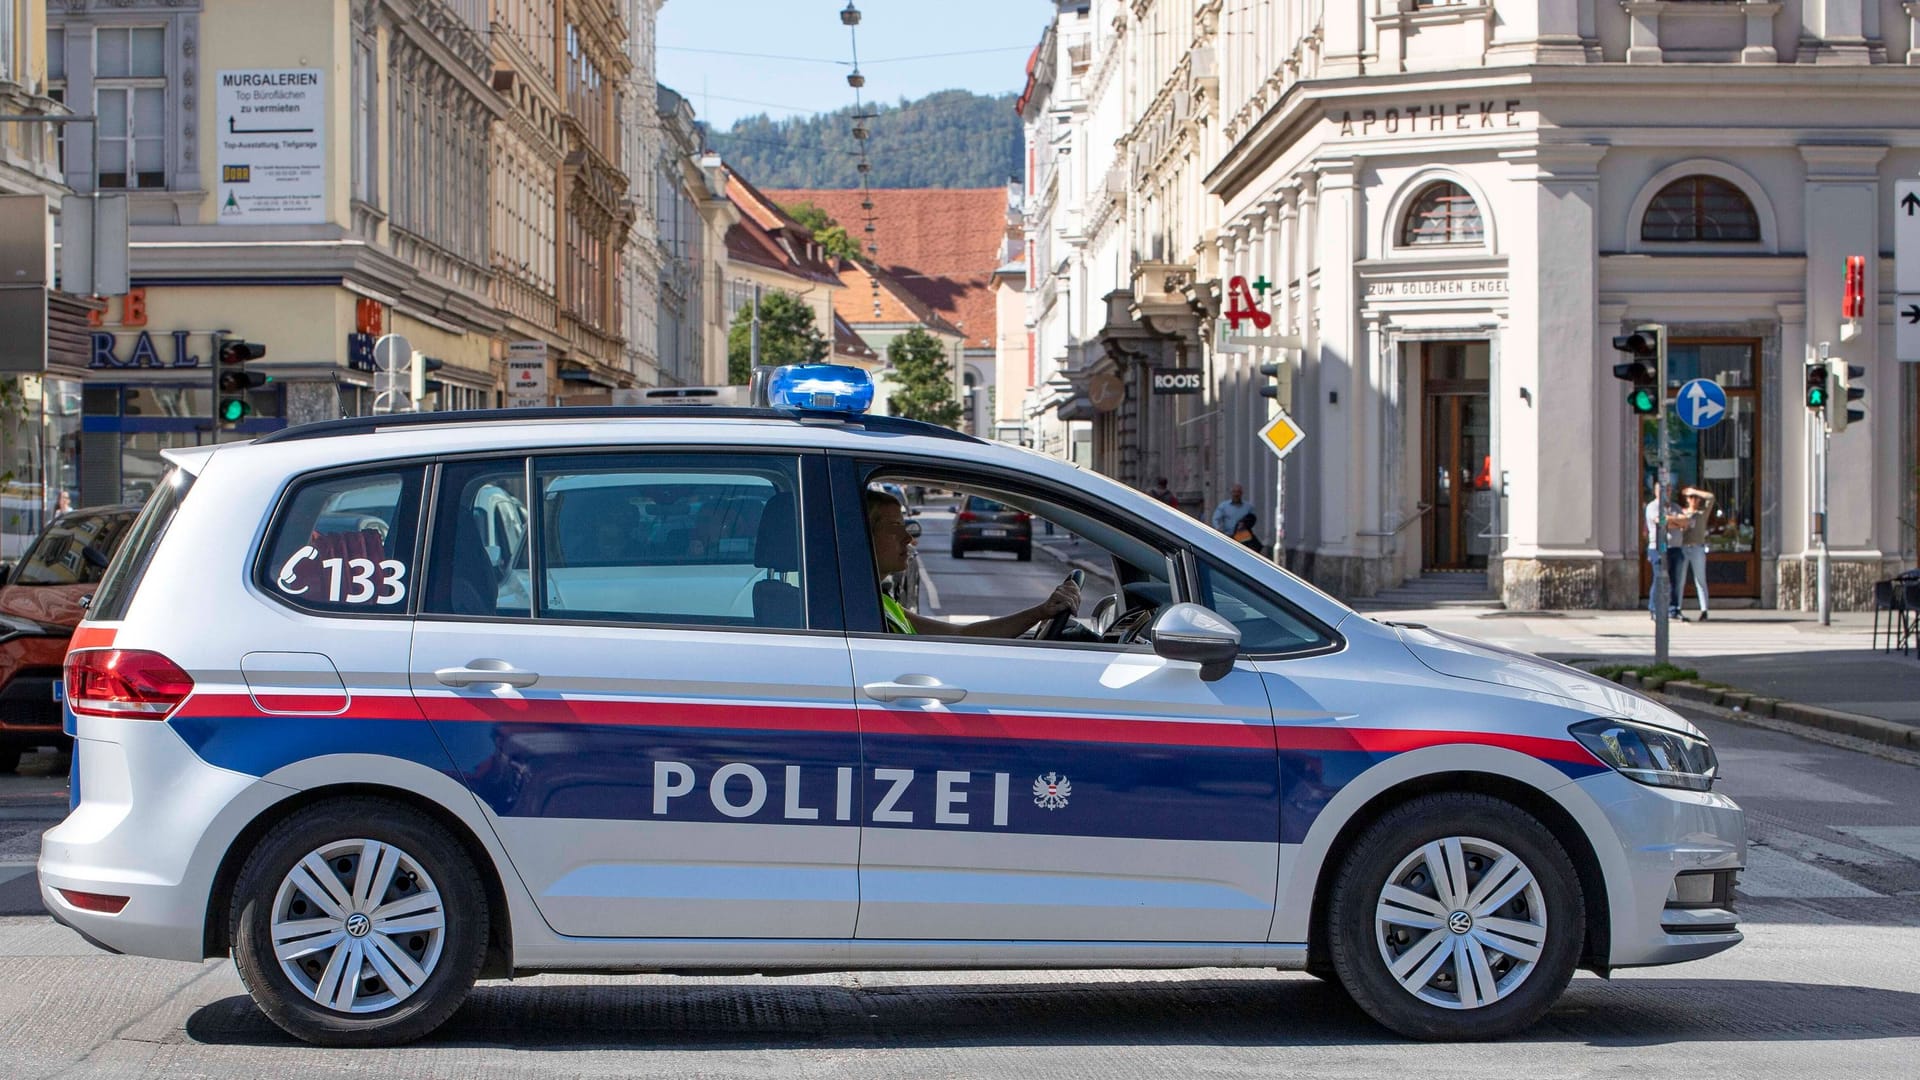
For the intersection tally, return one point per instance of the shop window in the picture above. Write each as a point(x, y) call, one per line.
point(1700, 208)
point(1443, 213)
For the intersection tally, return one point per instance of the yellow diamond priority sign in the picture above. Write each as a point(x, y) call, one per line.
point(1281, 434)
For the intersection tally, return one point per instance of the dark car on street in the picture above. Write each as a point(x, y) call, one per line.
point(980, 524)
point(40, 604)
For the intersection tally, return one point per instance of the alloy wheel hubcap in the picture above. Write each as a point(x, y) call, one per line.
point(1461, 923)
point(358, 926)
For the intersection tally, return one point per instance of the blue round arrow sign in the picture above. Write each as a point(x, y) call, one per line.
point(1701, 403)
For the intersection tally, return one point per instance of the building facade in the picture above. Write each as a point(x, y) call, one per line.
point(1457, 207)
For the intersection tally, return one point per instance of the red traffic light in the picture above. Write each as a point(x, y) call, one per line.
point(1853, 302)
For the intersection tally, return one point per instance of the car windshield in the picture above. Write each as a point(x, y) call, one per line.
point(75, 549)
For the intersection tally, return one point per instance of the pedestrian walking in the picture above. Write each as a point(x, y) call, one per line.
point(1164, 493)
point(1227, 515)
point(1693, 545)
point(1671, 519)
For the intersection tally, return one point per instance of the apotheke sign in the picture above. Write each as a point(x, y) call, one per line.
point(1420, 118)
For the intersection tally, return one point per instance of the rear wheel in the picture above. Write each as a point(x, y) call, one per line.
point(959, 552)
point(359, 922)
point(1456, 916)
point(9, 759)
point(1024, 553)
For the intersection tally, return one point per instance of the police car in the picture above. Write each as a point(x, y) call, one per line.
point(382, 706)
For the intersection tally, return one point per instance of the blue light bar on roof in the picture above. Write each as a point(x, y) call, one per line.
point(820, 388)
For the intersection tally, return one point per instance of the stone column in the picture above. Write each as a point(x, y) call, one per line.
point(1313, 459)
point(1643, 34)
point(1287, 512)
point(1794, 420)
point(1759, 48)
point(1545, 388)
point(1344, 47)
point(1616, 482)
point(1834, 32)
point(1332, 418)
point(1843, 218)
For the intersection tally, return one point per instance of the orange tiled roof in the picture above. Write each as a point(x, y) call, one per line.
point(767, 236)
point(943, 245)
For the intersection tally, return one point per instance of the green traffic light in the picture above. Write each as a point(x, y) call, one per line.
point(1640, 400)
point(1816, 397)
point(233, 410)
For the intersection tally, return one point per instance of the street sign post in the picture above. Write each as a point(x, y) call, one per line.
point(392, 364)
point(1702, 404)
point(1906, 270)
point(1282, 435)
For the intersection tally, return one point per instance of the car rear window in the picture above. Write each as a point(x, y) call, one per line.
point(981, 505)
point(129, 565)
point(75, 549)
point(343, 544)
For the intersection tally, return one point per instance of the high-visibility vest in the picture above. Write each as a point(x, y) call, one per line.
point(897, 621)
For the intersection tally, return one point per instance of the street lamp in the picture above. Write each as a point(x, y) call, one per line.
point(850, 15)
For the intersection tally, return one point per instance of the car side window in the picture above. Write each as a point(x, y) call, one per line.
point(480, 541)
point(344, 544)
point(700, 539)
point(1267, 624)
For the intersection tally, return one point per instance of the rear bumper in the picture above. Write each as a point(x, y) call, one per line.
point(163, 859)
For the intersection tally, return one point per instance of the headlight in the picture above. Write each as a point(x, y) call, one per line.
point(1649, 754)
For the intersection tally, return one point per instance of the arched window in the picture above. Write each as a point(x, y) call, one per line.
point(1700, 208)
point(1443, 213)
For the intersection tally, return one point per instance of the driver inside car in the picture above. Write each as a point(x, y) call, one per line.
point(888, 527)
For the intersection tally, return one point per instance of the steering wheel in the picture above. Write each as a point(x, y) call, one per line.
point(1058, 624)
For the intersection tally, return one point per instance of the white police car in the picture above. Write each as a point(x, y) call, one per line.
point(384, 705)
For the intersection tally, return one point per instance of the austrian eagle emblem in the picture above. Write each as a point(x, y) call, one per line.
point(1050, 792)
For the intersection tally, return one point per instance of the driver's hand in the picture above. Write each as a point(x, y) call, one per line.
point(1066, 599)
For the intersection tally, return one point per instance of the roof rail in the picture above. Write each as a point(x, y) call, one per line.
point(362, 425)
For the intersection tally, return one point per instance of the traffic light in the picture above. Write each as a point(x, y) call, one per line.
point(1642, 370)
point(235, 380)
point(1816, 386)
point(421, 384)
point(1842, 392)
point(1272, 383)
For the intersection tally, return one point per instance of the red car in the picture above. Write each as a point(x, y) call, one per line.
point(40, 604)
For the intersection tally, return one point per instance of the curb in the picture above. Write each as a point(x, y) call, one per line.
point(1870, 728)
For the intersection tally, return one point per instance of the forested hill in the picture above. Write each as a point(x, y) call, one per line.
point(951, 139)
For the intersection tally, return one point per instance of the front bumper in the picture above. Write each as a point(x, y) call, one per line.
point(163, 859)
point(1662, 833)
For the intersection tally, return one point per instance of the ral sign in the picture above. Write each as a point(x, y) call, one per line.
point(1701, 404)
point(1176, 381)
point(270, 129)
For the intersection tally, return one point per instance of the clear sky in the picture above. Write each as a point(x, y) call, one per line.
point(896, 38)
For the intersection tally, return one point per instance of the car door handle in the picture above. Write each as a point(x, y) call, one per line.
point(483, 672)
point(914, 688)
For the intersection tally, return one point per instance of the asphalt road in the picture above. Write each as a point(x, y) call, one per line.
point(1827, 985)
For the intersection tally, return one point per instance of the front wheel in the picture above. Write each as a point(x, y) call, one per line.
point(359, 922)
point(1456, 916)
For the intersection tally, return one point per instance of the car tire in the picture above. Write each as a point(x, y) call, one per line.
point(958, 552)
point(1024, 553)
point(9, 759)
point(1459, 836)
point(430, 873)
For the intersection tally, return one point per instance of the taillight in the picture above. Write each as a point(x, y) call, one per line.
point(965, 515)
point(1021, 517)
point(129, 683)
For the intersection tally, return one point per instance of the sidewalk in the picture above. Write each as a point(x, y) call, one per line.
point(1786, 655)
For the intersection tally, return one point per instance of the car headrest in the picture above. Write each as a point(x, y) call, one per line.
point(777, 547)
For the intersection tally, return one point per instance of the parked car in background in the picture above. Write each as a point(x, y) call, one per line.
point(984, 525)
point(40, 604)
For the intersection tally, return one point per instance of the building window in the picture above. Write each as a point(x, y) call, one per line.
point(1443, 213)
point(130, 98)
point(57, 89)
point(366, 131)
point(6, 39)
point(1700, 208)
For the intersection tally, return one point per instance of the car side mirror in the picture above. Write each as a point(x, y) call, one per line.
point(1193, 633)
point(913, 529)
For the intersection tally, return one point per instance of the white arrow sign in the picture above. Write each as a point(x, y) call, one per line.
point(1704, 402)
point(1906, 328)
point(1906, 236)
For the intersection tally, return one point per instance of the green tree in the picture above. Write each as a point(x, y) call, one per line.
point(925, 378)
point(828, 233)
point(787, 336)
